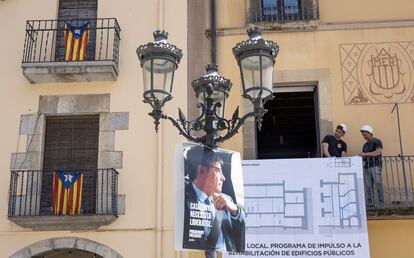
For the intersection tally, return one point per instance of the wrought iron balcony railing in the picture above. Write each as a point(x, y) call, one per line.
point(63, 41)
point(389, 184)
point(281, 13)
point(60, 193)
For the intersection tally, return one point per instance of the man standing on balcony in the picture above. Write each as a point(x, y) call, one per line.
point(332, 145)
point(371, 153)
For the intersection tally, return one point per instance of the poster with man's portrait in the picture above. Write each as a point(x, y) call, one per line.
point(209, 212)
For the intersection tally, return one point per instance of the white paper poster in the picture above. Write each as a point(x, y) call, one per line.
point(304, 208)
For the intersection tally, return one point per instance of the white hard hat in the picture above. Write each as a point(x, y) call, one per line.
point(367, 128)
point(344, 127)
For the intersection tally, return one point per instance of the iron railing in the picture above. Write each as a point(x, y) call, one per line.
point(31, 193)
point(282, 13)
point(45, 40)
point(389, 182)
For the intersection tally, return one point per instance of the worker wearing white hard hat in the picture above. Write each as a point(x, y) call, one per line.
point(367, 128)
point(333, 145)
point(371, 153)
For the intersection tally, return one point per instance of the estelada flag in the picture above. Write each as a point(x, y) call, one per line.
point(67, 193)
point(76, 41)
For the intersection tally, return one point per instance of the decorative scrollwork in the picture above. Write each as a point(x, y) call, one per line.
point(186, 127)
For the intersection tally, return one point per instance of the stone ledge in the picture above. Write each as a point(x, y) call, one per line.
point(74, 104)
point(301, 25)
point(390, 213)
point(314, 25)
point(51, 223)
point(66, 72)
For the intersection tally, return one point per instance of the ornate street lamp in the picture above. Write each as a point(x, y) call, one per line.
point(255, 57)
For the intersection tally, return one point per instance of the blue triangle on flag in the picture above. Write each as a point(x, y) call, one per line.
point(68, 178)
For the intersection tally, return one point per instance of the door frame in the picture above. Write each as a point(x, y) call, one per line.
point(320, 78)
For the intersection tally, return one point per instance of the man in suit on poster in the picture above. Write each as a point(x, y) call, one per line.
point(212, 221)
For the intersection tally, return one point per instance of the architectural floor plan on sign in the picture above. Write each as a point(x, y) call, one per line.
point(272, 206)
point(340, 204)
point(303, 207)
point(331, 199)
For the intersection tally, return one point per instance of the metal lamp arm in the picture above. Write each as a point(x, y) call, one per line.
point(182, 126)
point(235, 123)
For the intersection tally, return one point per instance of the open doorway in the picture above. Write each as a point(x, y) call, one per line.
point(290, 127)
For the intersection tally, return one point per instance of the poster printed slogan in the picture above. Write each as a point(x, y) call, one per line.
point(304, 208)
point(200, 216)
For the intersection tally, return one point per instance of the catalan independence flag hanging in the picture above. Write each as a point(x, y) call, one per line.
point(76, 42)
point(67, 193)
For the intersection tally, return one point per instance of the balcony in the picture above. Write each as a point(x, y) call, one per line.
point(83, 50)
point(39, 202)
point(277, 12)
point(397, 185)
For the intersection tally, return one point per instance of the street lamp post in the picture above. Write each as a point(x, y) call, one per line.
point(255, 57)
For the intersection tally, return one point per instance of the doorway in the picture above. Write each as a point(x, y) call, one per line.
point(290, 127)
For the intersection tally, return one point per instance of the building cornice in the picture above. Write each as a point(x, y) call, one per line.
point(311, 26)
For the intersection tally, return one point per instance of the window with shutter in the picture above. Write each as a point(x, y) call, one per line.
point(283, 10)
point(71, 144)
point(77, 12)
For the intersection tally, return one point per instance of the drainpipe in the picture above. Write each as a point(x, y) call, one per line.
point(160, 163)
point(213, 31)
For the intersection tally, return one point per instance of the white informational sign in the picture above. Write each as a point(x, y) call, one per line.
point(304, 208)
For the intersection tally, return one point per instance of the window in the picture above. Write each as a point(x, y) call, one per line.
point(71, 144)
point(77, 13)
point(282, 10)
point(77, 9)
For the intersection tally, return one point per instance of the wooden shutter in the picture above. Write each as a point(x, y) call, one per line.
point(71, 144)
point(72, 10)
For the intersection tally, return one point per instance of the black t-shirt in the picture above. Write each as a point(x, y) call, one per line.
point(335, 146)
point(371, 146)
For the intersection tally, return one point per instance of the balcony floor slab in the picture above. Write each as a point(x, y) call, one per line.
point(67, 72)
point(50, 223)
point(390, 213)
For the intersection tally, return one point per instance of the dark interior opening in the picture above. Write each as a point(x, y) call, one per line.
point(67, 253)
point(289, 128)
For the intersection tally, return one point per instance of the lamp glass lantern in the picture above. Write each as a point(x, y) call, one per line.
point(256, 58)
point(159, 60)
point(212, 89)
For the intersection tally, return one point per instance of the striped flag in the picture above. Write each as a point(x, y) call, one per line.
point(67, 193)
point(76, 42)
